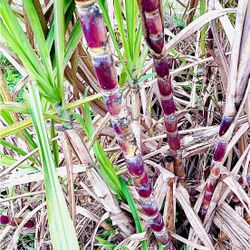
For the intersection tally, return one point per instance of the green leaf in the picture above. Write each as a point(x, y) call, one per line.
point(131, 20)
point(36, 72)
point(119, 18)
point(105, 243)
point(133, 211)
point(62, 231)
point(16, 149)
point(106, 18)
point(18, 35)
point(59, 44)
point(15, 107)
point(74, 39)
point(8, 161)
point(54, 143)
point(39, 36)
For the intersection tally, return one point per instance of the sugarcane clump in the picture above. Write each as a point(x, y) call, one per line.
point(96, 37)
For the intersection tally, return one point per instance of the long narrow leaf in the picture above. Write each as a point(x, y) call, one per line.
point(59, 44)
point(133, 211)
point(62, 231)
point(40, 39)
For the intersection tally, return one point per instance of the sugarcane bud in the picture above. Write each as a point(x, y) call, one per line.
point(156, 223)
point(143, 189)
point(128, 145)
point(120, 123)
point(105, 71)
point(113, 101)
point(215, 169)
point(93, 26)
point(164, 239)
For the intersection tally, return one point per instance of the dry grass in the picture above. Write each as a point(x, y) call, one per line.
point(94, 207)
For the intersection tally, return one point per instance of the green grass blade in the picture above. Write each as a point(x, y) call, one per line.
point(54, 143)
point(15, 107)
point(138, 40)
point(18, 35)
point(105, 243)
point(61, 227)
point(45, 89)
point(133, 211)
point(73, 41)
point(108, 172)
point(59, 44)
point(131, 20)
point(8, 161)
point(39, 36)
point(106, 18)
point(16, 149)
point(69, 6)
point(119, 18)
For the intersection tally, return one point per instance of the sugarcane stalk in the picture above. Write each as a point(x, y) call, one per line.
point(153, 27)
point(233, 100)
point(96, 37)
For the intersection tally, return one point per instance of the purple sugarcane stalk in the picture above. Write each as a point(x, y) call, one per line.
point(215, 169)
point(236, 89)
point(6, 220)
point(96, 37)
point(153, 27)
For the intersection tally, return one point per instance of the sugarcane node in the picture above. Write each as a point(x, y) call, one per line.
point(156, 223)
point(225, 124)
point(144, 191)
point(149, 206)
point(85, 3)
point(170, 123)
point(156, 44)
point(135, 165)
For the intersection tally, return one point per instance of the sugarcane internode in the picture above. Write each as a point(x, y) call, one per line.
point(215, 169)
point(96, 37)
point(153, 27)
